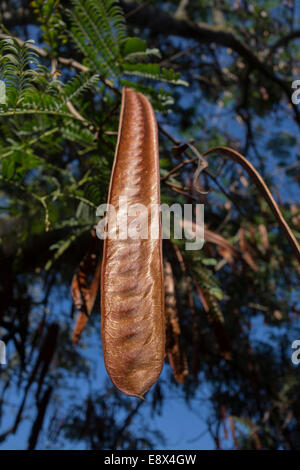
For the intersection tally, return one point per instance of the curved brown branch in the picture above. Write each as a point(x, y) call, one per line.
point(253, 173)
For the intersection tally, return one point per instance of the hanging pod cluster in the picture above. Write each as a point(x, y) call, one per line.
point(132, 289)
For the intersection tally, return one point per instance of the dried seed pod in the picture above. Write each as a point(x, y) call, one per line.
point(132, 296)
point(84, 292)
point(176, 354)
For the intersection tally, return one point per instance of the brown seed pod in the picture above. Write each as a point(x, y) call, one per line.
point(176, 354)
point(84, 291)
point(132, 296)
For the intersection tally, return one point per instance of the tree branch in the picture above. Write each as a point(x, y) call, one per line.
point(284, 41)
point(162, 22)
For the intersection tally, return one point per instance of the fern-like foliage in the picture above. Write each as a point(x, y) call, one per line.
point(74, 132)
point(27, 83)
point(29, 87)
point(35, 126)
point(52, 25)
point(41, 113)
point(78, 85)
point(98, 29)
point(153, 71)
point(19, 67)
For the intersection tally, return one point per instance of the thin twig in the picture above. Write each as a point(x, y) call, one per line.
point(193, 160)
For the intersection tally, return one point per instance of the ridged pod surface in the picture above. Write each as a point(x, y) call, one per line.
point(132, 293)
